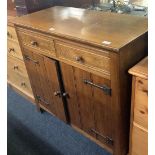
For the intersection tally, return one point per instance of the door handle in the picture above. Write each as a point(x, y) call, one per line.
point(60, 94)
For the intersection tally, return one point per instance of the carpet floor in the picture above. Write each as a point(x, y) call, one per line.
point(32, 133)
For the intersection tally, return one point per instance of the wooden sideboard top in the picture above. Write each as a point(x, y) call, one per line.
point(104, 29)
point(140, 69)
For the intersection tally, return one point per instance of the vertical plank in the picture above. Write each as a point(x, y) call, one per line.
point(84, 96)
point(102, 109)
point(69, 84)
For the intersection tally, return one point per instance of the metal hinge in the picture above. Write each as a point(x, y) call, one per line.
point(104, 88)
point(39, 99)
point(107, 139)
point(26, 57)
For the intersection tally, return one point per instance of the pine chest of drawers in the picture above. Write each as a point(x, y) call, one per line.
point(17, 76)
point(139, 109)
point(78, 62)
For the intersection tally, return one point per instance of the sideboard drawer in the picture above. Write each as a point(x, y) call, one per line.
point(139, 141)
point(37, 41)
point(11, 33)
point(14, 49)
point(85, 57)
point(17, 75)
point(141, 102)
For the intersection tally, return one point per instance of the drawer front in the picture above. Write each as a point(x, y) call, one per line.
point(37, 41)
point(17, 75)
point(84, 57)
point(139, 141)
point(14, 49)
point(11, 33)
point(16, 66)
point(141, 102)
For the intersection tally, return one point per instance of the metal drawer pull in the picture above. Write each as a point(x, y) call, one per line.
point(34, 43)
point(23, 84)
point(26, 57)
point(79, 59)
point(41, 100)
point(11, 49)
point(15, 67)
point(107, 139)
point(9, 35)
point(104, 88)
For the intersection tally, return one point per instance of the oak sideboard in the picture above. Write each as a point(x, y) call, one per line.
point(77, 61)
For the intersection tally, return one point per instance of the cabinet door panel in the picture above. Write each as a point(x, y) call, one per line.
point(84, 96)
point(54, 86)
point(102, 109)
point(32, 73)
point(44, 80)
point(89, 106)
point(46, 96)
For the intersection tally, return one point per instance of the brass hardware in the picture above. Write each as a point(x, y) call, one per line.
point(23, 84)
point(15, 67)
point(26, 57)
point(57, 93)
point(107, 139)
point(39, 99)
point(9, 35)
point(79, 59)
point(11, 49)
point(105, 88)
point(65, 94)
point(34, 43)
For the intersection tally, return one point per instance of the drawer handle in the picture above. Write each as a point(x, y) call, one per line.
point(26, 57)
point(15, 67)
point(79, 59)
point(9, 35)
point(41, 100)
point(34, 43)
point(11, 50)
point(107, 139)
point(104, 88)
point(23, 84)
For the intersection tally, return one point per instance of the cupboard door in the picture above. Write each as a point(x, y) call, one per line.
point(43, 75)
point(102, 111)
point(89, 106)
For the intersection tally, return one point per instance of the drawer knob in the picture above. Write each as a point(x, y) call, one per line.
point(57, 93)
point(15, 67)
point(9, 35)
point(11, 50)
point(78, 59)
point(23, 84)
point(34, 43)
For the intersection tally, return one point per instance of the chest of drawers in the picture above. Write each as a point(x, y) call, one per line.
point(139, 109)
point(78, 68)
point(17, 76)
